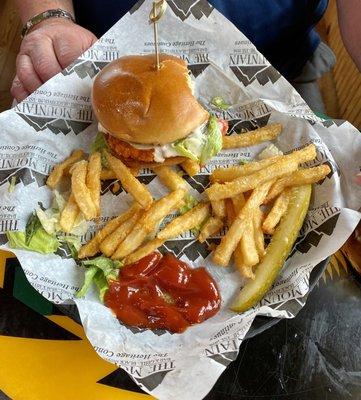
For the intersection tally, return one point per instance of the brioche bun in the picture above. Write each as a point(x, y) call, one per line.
point(135, 102)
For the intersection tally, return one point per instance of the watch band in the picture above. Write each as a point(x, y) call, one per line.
point(56, 13)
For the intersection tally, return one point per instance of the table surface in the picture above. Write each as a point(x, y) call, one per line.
point(317, 355)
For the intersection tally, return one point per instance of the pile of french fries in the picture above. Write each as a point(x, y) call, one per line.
point(248, 199)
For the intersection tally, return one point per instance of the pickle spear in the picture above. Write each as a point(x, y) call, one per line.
point(278, 250)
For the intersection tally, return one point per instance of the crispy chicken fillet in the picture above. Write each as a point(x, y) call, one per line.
point(127, 151)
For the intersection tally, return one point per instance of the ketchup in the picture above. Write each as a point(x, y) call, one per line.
point(162, 292)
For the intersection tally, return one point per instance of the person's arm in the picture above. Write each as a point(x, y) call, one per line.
point(28, 8)
point(49, 47)
point(349, 18)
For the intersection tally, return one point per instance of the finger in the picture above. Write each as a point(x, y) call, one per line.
point(18, 91)
point(44, 59)
point(94, 39)
point(66, 52)
point(26, 73)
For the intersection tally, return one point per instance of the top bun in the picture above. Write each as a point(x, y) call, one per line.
point(137, 103)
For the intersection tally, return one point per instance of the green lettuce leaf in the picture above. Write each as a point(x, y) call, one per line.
point(41, 242)
point(182, 148)
point(49, 220)
point(58, 203)
point(89, 276)
point(12, 184)
point(32, 226)
point(219, 102)
point(189, 203)
point(100, 144)
point(213, 143)
point(72, 243)
point(101, 283)
point(109, 267)
point(101, 270)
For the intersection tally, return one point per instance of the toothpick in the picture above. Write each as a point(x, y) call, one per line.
point(156, 14)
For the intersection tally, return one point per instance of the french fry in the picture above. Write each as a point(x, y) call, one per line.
point(59, 169)
point(268, 132)
point(148, 223)
point(219, 208)
point(162, 208)
point(143, 251)
point(298, 178)
point(277, 251)
point(238, 202)
point(248, 245)
point(170, 178)
point(258, 233)
point(108, 175)
point(229, 242)
point(221, 175)
point(244, 270)
point(278, 210)
point(129, 182)
point(112, 241)
point(93, 178)
point(185, 222)
point(134, 239)
point(242, 184)
point(212, 226)
point(80, 191)
point(191, 167)
point(231, 214)
point(92, 247)
point(134, 171)
point(69, 214)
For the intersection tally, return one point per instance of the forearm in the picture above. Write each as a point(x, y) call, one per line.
point(28, 8)
point(349, 17)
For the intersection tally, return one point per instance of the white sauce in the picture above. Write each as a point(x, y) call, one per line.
point(195, 142)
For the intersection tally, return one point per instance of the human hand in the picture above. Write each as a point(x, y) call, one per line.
point(51, 46)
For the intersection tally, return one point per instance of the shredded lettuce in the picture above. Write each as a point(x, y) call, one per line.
point(202, 144)
point(89, 276)
point(189, 203)
point(100, 144)
point(41, 242)
point(101, 270)
point(80, 226)
point(182, 148)
point(32, 226)
point(72, 243)
point(102, 284)
point(49, 220)
point(213, 143)
point(59, 202)
point(109, 267)
point(12, 184)
point(219, 102)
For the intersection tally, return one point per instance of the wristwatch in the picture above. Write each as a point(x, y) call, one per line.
point(56, 13)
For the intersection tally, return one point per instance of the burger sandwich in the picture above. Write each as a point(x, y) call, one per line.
point(150, 116)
